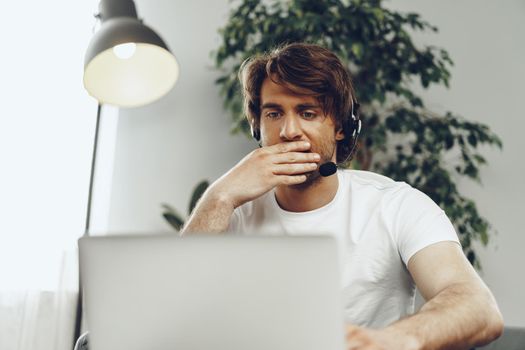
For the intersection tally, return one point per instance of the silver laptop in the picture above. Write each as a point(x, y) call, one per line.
point(222, 292)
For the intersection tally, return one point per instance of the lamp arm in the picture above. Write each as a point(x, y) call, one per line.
point(92, 175)
point(78, 316)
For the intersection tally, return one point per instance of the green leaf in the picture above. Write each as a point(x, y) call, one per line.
point(471, 256)
point(480, 159)
point(484, 237)
point(175, 221)
point(357, 49)
point(449, 141)
point(197, 194)
point(172, 217)
point(472, 140)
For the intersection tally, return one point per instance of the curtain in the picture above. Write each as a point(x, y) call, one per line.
point(40, 319)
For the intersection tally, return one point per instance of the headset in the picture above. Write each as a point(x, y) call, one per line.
point(351, 130)
point(352, 127)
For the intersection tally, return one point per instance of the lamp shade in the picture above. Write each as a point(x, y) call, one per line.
point(127, 64)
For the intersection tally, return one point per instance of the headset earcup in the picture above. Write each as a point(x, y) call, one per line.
point(351, 128)
point(356, 130)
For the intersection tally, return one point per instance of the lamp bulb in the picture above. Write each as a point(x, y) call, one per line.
point(124, 51)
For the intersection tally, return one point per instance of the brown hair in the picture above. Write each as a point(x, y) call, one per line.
point(306, 69)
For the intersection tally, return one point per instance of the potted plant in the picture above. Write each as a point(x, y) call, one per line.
point(401, 137)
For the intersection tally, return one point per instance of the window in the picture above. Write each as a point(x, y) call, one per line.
point(46, 139)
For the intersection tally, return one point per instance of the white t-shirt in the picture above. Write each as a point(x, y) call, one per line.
point(378, 225)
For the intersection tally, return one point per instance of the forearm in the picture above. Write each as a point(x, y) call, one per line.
point(459, 317)
point(211, 214)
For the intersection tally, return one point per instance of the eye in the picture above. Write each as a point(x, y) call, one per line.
point(308, 115)
point(272, 115)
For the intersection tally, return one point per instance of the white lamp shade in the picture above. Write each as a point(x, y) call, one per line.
point(128, 65)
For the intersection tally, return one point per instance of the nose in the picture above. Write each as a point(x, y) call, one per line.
point(291, 129)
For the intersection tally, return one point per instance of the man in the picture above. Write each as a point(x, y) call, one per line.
point(300, 103)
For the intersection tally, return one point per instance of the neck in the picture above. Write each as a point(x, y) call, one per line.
point(301, 199)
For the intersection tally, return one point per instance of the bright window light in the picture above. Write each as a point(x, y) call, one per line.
point(46, 143)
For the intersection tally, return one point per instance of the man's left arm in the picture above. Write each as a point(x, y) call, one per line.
point(460, 311)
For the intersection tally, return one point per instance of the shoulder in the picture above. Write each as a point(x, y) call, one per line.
point(368, 181)
point(382, 192)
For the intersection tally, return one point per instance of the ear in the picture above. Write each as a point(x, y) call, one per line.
point(339, 135)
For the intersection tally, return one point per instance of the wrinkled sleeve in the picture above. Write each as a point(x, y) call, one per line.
point(418, 222)
point(235, 222)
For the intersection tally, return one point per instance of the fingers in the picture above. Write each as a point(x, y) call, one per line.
point(285, 147)
point(296, 157)
point(293, 168)
point(292, 152)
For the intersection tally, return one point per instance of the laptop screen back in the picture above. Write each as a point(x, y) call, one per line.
point(205, 292)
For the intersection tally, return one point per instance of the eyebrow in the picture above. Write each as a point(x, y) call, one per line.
point(307, 106)
point(271, 105)
point(300, 106)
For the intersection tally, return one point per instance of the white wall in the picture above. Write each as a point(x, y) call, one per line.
point(164, 149)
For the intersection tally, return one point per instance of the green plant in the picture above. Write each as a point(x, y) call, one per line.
point(173, 217)
point(401, 138)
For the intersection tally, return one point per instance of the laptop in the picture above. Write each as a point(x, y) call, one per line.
point(220, 292)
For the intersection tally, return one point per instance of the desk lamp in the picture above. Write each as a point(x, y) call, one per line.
point(128, 65)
